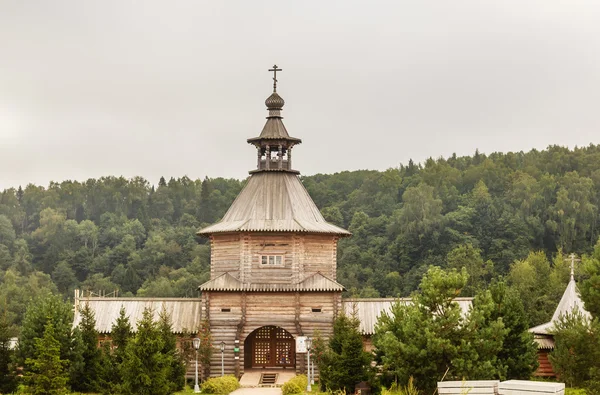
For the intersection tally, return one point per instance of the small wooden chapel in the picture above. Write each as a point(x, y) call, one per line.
point(273, 261)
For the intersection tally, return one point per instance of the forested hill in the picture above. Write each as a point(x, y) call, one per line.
point(113, 233)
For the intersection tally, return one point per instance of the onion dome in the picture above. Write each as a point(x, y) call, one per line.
point(274, 102)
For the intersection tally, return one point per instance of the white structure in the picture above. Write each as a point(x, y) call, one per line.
point(570, 303)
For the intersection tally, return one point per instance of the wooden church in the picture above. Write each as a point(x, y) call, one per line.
point(273, 270)
point(273, 261)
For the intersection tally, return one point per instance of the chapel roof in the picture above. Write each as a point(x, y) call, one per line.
point(569, 303)
point(274, 199)
point(274, 129)
point(273, 202)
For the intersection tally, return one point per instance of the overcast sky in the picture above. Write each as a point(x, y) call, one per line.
point(173, 88)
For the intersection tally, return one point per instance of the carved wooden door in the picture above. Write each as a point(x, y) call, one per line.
point(273, 347)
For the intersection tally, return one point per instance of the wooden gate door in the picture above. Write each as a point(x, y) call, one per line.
point(272, 347)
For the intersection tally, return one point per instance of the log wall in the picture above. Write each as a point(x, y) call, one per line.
point(225, 253)
point(302, 255)
point(545, 368)
point(235, 315)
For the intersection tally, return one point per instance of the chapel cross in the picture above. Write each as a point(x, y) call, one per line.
point(572, 258)
point(275, 70)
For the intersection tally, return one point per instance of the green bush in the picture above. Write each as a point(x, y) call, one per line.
point(220, 385)
point(297, 385)
point(396, 389)
point(575, 391)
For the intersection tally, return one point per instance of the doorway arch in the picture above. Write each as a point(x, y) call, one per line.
point(270, 347)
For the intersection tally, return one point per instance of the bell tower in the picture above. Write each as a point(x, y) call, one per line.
point(274, 145)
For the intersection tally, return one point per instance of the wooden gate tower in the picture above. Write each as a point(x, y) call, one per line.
point(273, 262)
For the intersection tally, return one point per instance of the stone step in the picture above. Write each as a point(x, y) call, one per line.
point(268, 380)
point(252, 378)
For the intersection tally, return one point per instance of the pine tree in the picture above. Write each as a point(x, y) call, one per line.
point(109, 381)
point(204, 210)
point(20, 194)
point(48, 309)
point(122, 333)
point(46, 372)
point(345, 363)
point(576, 355)
point(519, 351)
point(422, 340)
point(177, 367)
point(478, 357)
point(110, 375)
point(145, 369)
point(90, 352)
point(7, 378)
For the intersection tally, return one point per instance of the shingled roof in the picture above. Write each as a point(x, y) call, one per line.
point(315, 282)
point(274, 129)
point(368, 310)
point(273, 202)
point(184, 312)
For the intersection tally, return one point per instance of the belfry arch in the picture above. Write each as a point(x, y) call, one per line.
point(270, 347)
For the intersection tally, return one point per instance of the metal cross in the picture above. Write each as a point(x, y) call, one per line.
point(573, 258)
point(275, 70)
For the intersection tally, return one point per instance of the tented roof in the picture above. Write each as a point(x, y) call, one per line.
point(569, 304)
point(273, 202)
point(274, 129)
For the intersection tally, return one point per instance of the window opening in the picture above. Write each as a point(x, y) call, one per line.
point(271, 260)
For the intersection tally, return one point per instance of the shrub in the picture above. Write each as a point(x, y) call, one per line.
point(220, 385)
point(297, 385)
point(575, 391)
point(396, 389)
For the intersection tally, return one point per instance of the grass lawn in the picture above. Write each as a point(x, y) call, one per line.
point(186, 390)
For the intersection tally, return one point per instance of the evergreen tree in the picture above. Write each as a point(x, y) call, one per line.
point(423, 339)
point(431, 338)
point(345, 363)
point(7, 377)
point(145, 368)
point(173, 357)
point(76, 362)
point(90, 352)
point(519, 351)
point(479, 271)
point(46, 373)
point(111, 372)
point(204, 210)
point(121, 333)
point(485, 333)
point(590, 286)
point(20, 194)
point(109, 381)
point(45, 310)
point(576, 355)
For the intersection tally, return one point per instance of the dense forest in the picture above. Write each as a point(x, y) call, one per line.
point(485, 212)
